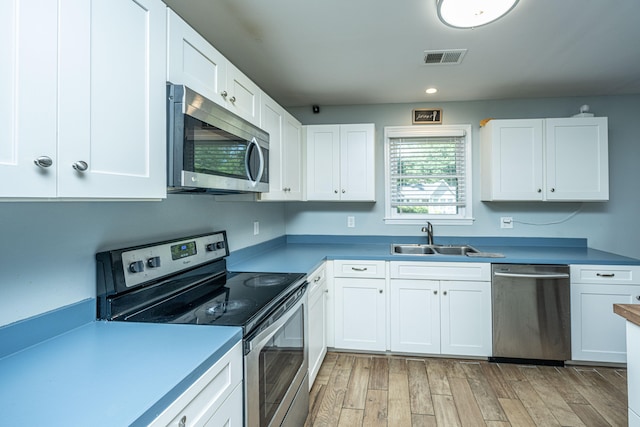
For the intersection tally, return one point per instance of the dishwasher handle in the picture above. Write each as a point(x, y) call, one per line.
point(534, 275)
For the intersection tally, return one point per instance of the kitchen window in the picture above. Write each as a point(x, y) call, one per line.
point(428, 174)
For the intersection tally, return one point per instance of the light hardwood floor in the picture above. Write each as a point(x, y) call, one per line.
point(394, 391)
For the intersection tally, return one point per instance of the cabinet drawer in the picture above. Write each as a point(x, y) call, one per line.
point(440, 270)
point(317, 279)
point(200, 401)
point(359, 269)
point(613, 274)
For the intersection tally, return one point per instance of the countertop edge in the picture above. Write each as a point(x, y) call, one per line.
point(631, 312)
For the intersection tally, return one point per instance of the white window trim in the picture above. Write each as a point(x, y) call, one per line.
point(424, 130)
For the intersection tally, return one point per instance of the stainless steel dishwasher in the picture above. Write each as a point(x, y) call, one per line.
point(531, 313)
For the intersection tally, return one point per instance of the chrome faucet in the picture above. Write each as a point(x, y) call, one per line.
point(429, 230)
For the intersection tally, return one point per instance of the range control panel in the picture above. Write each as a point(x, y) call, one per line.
point(152, 262)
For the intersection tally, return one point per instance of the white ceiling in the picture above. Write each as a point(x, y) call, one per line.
point(338, 52)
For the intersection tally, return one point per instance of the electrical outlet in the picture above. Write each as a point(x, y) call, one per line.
point(351, 221)
point(506, 222)
point(256, 228)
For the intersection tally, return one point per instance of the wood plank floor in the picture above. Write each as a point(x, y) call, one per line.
point(395, 391)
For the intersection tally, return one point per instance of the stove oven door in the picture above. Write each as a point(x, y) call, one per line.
point(276, 368)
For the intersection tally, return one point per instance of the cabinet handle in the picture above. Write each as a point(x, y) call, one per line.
point(539, 190)
point(80, 166)
point(638, 297)
point(223, 94)
point(435, 292)
point(359, 268)
point(605, 274)
point(316, 280)
point(343, 191)
point(553, 190)
point(232, 99)
point(444, 292)
point(326, 291)
point(380, 291)
point(43, 162)
point(183, 421)
point(335, 191)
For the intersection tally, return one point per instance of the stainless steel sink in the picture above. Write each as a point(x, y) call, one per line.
point(412, 249)
point(418, 249)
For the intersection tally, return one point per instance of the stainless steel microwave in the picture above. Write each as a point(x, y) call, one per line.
point(211, 149)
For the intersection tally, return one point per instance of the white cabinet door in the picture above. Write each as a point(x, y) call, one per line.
point(414, 316)
point(292, 158)
point(28, 108)
point(357, 163)
point(323, 162)
point(512, 160)
point(193, 61)
point(360, 314)
point(597, 333)
point(97, 115)
point(230, 414)
point(243, 96)
point(465, 318)
point(341, 162)
point(285, 152)
point(577, 162)
point(125, 153)
point(317, 322)
point(545, 159)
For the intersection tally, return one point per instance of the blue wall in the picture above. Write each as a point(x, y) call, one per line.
point(609, 226)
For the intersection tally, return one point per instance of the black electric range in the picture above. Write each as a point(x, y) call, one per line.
point(185, 281)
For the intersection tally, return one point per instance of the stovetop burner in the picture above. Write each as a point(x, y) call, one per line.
point(210, 312)
point(263, 280)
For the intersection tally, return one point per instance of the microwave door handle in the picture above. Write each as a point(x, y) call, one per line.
point(248, 165)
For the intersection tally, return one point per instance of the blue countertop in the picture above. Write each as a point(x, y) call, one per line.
point(301, 254)
point(107, 373)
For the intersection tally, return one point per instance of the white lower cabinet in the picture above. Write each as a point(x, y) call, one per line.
point(214, 399)
point(597, 333)
point(317, 321)
point(440, 316)
point(360, 305)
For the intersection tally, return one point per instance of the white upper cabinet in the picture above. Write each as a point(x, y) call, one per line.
point(194, 62)
point(93, 124)
point(285, 152)
point(341, 162)
point(242, 95)
point(545, 159)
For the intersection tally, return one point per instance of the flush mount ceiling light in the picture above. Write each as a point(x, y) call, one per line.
point(472, 13)
point(431, 90)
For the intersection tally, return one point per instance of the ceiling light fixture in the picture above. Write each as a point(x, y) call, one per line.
point(472, 13)
point(431, 90)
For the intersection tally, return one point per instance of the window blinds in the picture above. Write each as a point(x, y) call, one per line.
point(427, 171)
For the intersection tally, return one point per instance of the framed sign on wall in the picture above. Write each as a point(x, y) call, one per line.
point(427, 116)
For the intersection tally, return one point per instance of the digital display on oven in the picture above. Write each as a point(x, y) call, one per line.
point(183, 250)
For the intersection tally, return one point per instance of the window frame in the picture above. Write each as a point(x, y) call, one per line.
point(463, 218)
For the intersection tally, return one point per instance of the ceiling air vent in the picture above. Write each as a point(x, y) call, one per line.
point(441, 57)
